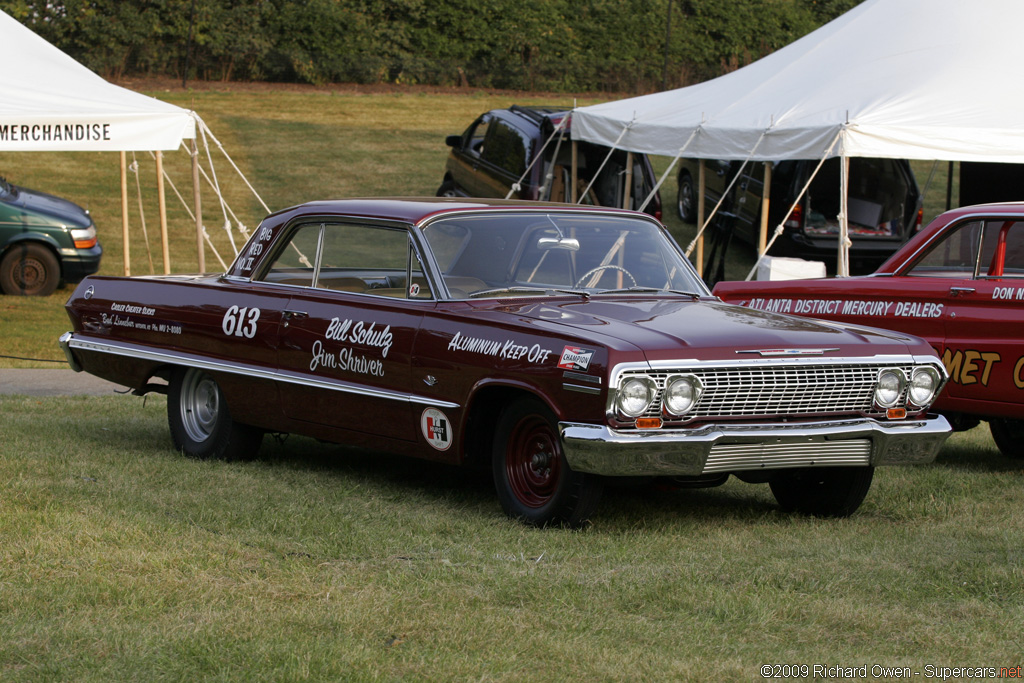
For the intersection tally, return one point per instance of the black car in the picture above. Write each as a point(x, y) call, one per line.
point(884, 205)
point(493, 154)
point(44, 241)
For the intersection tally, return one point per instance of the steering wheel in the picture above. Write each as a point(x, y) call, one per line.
point(579, 283)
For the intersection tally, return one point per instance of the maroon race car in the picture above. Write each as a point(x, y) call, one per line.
point(959, 284)
point(554, 344)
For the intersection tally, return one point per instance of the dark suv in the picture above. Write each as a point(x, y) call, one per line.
point(496, 150)
point(44, 240)
point(884, 206)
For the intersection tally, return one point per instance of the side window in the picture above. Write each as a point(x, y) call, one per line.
point(1002, 251)
point(293, 265)
point(507, 148)
point(477, 133)
point(370, 259)
point(956, 255)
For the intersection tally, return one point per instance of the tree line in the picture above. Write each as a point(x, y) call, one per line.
point(546, 45)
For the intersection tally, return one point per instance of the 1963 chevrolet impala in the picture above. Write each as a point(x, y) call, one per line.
point(556, 344)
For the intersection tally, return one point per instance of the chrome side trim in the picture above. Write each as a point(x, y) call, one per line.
point(595, 391)
point(598, 449)
point(192, 360)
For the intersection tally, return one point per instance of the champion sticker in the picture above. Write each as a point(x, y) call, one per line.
point(575, 358)
point(437, 430)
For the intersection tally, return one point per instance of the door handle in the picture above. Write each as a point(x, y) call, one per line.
point(288, 316)
point(959, 291)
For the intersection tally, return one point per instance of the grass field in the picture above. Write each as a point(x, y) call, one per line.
point(122, 560)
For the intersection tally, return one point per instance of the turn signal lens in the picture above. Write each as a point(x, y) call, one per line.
point(648, 423)
point(84, 238)
point(896, 413)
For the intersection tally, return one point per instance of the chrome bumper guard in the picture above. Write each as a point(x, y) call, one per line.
point(599, 449)
point(65, 344)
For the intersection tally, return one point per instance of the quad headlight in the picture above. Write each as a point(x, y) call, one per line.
point(681, 394)
point(924, 384)
point(889, 387)
point(636, 395)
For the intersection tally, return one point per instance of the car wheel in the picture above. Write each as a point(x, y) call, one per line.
point(30, 270)
point(532, 477)
point(822, 491)
point(447, 189)
point(200, 423)
point(1008, 435)
point(686, 198)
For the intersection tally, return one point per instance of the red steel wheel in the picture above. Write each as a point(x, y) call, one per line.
point(534, 482)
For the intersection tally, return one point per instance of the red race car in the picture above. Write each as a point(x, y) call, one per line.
point(554, 344)
point(959, 283)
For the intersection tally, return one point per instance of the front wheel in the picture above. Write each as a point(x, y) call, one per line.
point(1008, 435)
point(824, 491)
point(200, 423)
point(532, 477)
point(30, 270)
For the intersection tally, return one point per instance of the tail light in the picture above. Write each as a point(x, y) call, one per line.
point(657, 214)
point(918, 219)
point(796, 217)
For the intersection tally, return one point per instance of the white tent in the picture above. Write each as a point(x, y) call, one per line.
point(916, 79)
point(52, 103)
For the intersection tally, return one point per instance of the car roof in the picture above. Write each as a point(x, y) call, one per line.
point(417, 209)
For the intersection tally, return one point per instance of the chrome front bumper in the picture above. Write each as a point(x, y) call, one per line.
point(733, 448)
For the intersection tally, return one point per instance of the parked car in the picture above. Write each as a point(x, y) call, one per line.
point(959, 284)
point(885, 205)
point(44, 241)
point(492, 155)
point(553, 344)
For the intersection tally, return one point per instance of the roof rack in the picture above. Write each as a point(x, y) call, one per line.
point(536, 114)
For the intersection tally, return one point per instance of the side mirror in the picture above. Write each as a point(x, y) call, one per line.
point(453, 141)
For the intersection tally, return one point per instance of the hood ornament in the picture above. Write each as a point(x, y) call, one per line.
point(789, 352)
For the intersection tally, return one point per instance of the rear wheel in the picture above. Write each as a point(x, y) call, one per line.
point(30, 270)
point(822, 491)
point(686, 198)
point(531, 475)
point(1008, 435)
point(200, 423)
point(447, 189)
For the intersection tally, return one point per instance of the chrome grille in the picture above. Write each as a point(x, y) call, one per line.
point(767, 390)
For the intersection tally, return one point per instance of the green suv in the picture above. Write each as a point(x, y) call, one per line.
point(44, 241)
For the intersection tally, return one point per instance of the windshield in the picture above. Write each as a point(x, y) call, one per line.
point(517, 254)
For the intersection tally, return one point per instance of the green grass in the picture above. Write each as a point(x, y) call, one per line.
point(122, 560)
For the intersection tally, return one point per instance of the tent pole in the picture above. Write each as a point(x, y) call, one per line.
point(629, 181)
point(574, 176)
point(124, 214)
point(766, 193)
point(843, 257)
point(162, 201)
point(701, 186)
point(197, 200)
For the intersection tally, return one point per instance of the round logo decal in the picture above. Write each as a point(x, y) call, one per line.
point(436, 428)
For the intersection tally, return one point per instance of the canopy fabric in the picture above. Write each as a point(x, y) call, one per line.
point(50, 102)
point(915, 79)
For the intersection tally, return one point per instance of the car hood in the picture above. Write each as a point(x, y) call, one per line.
point(60, 209)
point(668, 329)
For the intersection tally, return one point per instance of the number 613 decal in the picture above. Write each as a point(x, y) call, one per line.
point(240, 322)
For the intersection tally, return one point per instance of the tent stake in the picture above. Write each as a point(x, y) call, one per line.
point(162, 201)
point(124, 214)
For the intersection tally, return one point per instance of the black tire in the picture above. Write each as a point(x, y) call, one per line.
point(686, 198)
point(200, 423)
point(1008, 435)
point(447, 189)
point(822, 491)
point(533, 479)
point(29, 269)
